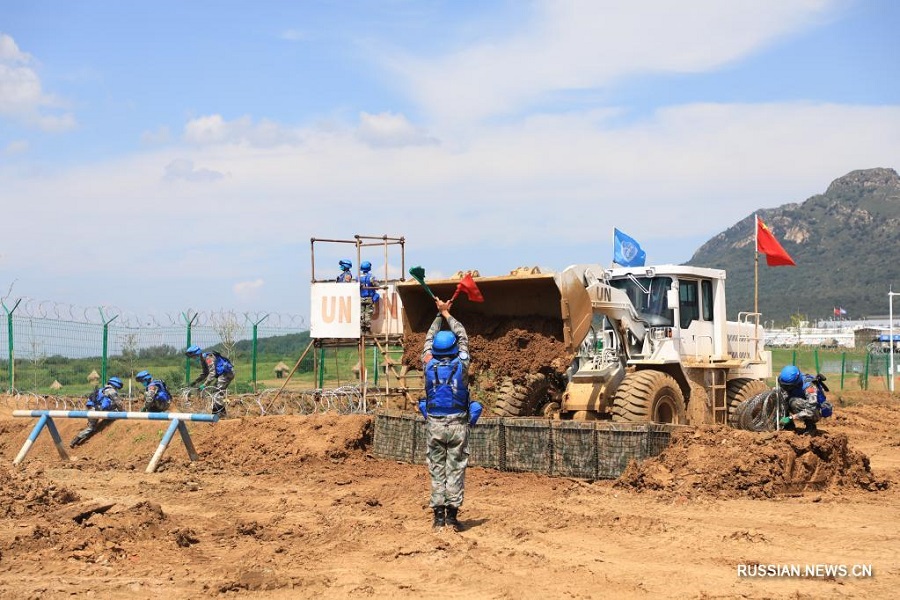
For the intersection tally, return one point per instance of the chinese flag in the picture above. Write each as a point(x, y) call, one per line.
point(467, 286)
point(776, 256)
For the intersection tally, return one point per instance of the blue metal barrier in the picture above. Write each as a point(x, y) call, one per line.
point(45, 418)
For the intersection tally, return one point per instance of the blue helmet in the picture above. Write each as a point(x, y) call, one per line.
point(143, 377)
point(115, 382)
point(365, 266)
point(345, 264)
point(193, 350)
point(444, 344)
point(789, 377)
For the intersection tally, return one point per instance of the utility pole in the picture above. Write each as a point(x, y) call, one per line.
point(891, 295)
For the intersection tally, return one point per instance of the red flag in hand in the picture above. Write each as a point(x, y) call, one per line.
point(467, 286)
point(776, 256)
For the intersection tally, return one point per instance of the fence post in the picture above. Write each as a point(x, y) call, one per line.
point(12, 368)
point(794, 358)
point(321, 367)
point(104, 359)
point(375, 364)
point(887, 369)
point(866, 377)
point(187, 359)
point(255, 341)
point(816, 357)
point(843, 366)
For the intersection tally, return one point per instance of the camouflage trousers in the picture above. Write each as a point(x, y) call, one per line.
point(94, 426)
point(367, 308)
point(155, 405)
point(447, 456)
point(806, 409)
point(218, 393)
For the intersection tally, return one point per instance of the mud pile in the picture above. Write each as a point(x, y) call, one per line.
point(26, 494)
point(97, 532)
point(267, 445)
point(504, 348)
point(724, 462)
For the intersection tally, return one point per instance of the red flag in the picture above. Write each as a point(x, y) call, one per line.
point(467, 286)
point(776, 256)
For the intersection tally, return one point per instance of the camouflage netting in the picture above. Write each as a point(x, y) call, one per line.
point(587, 450)
point(512, 348)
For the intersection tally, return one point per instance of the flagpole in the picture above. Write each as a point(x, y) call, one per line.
point(756, 264)
point(756, 278)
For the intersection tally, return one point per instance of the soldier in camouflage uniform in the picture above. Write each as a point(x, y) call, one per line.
point(803, 399)
point(368, 294)
point(156, 394)
point(105, 399)
point(448, 414)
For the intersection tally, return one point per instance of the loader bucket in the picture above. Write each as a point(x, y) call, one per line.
point(557, 301)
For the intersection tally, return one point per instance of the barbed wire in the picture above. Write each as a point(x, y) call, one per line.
point(98, 315)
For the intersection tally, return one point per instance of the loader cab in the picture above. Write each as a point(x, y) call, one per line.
point(650, 297)
point(698, 315)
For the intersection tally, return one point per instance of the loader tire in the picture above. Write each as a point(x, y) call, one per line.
point(522, 399)
point(739, 391)
point(648, 397)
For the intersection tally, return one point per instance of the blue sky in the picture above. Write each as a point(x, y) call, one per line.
point(156, 156)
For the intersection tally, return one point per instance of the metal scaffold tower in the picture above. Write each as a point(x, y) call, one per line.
point(337, 304)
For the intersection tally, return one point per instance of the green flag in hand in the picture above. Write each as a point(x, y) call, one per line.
point(418, 273)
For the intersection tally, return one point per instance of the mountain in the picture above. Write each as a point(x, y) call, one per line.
point(846, 243)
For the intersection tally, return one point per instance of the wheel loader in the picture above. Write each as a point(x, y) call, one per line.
point(626, 344)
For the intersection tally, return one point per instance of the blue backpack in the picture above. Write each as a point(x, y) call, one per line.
point(365, 290)
point(445, 387)
point(162, 392)
point(223, 365)
point(825, 406)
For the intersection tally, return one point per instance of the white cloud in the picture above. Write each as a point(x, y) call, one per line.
point(588, 44)
point(294, 35)
point(9, 51)
point(183, 168)
point(21, 95)
point(213, 129)
point(160, 135)
point(248, 290)
point(16, 147)
point(389, 129)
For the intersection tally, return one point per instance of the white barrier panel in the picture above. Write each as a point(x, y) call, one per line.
point(334, 310)
point(45, 418)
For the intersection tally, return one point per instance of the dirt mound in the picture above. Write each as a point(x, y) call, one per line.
point(507, 348)
point(26, 494)
point(726, 462)
point(266, 445)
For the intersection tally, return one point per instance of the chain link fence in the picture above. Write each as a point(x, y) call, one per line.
point(52, 348)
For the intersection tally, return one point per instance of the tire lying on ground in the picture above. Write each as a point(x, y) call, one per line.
point(739, 391)
point(648, 397)
point(523, 399)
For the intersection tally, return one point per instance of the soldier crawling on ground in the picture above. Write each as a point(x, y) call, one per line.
point(106, 399)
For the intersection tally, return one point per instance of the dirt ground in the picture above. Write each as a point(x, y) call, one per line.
point(297, 507)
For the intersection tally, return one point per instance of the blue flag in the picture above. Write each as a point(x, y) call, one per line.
point(627, 252)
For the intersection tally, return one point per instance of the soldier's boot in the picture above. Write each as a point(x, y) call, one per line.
point(218, 409)
point(439, 519)
point(811, 428)
point(452, 521)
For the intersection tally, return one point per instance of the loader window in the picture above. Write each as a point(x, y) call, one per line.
point(648, 295)
point(690, 305)
point(706, 290)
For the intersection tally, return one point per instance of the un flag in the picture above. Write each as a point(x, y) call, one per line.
point(627, 252)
